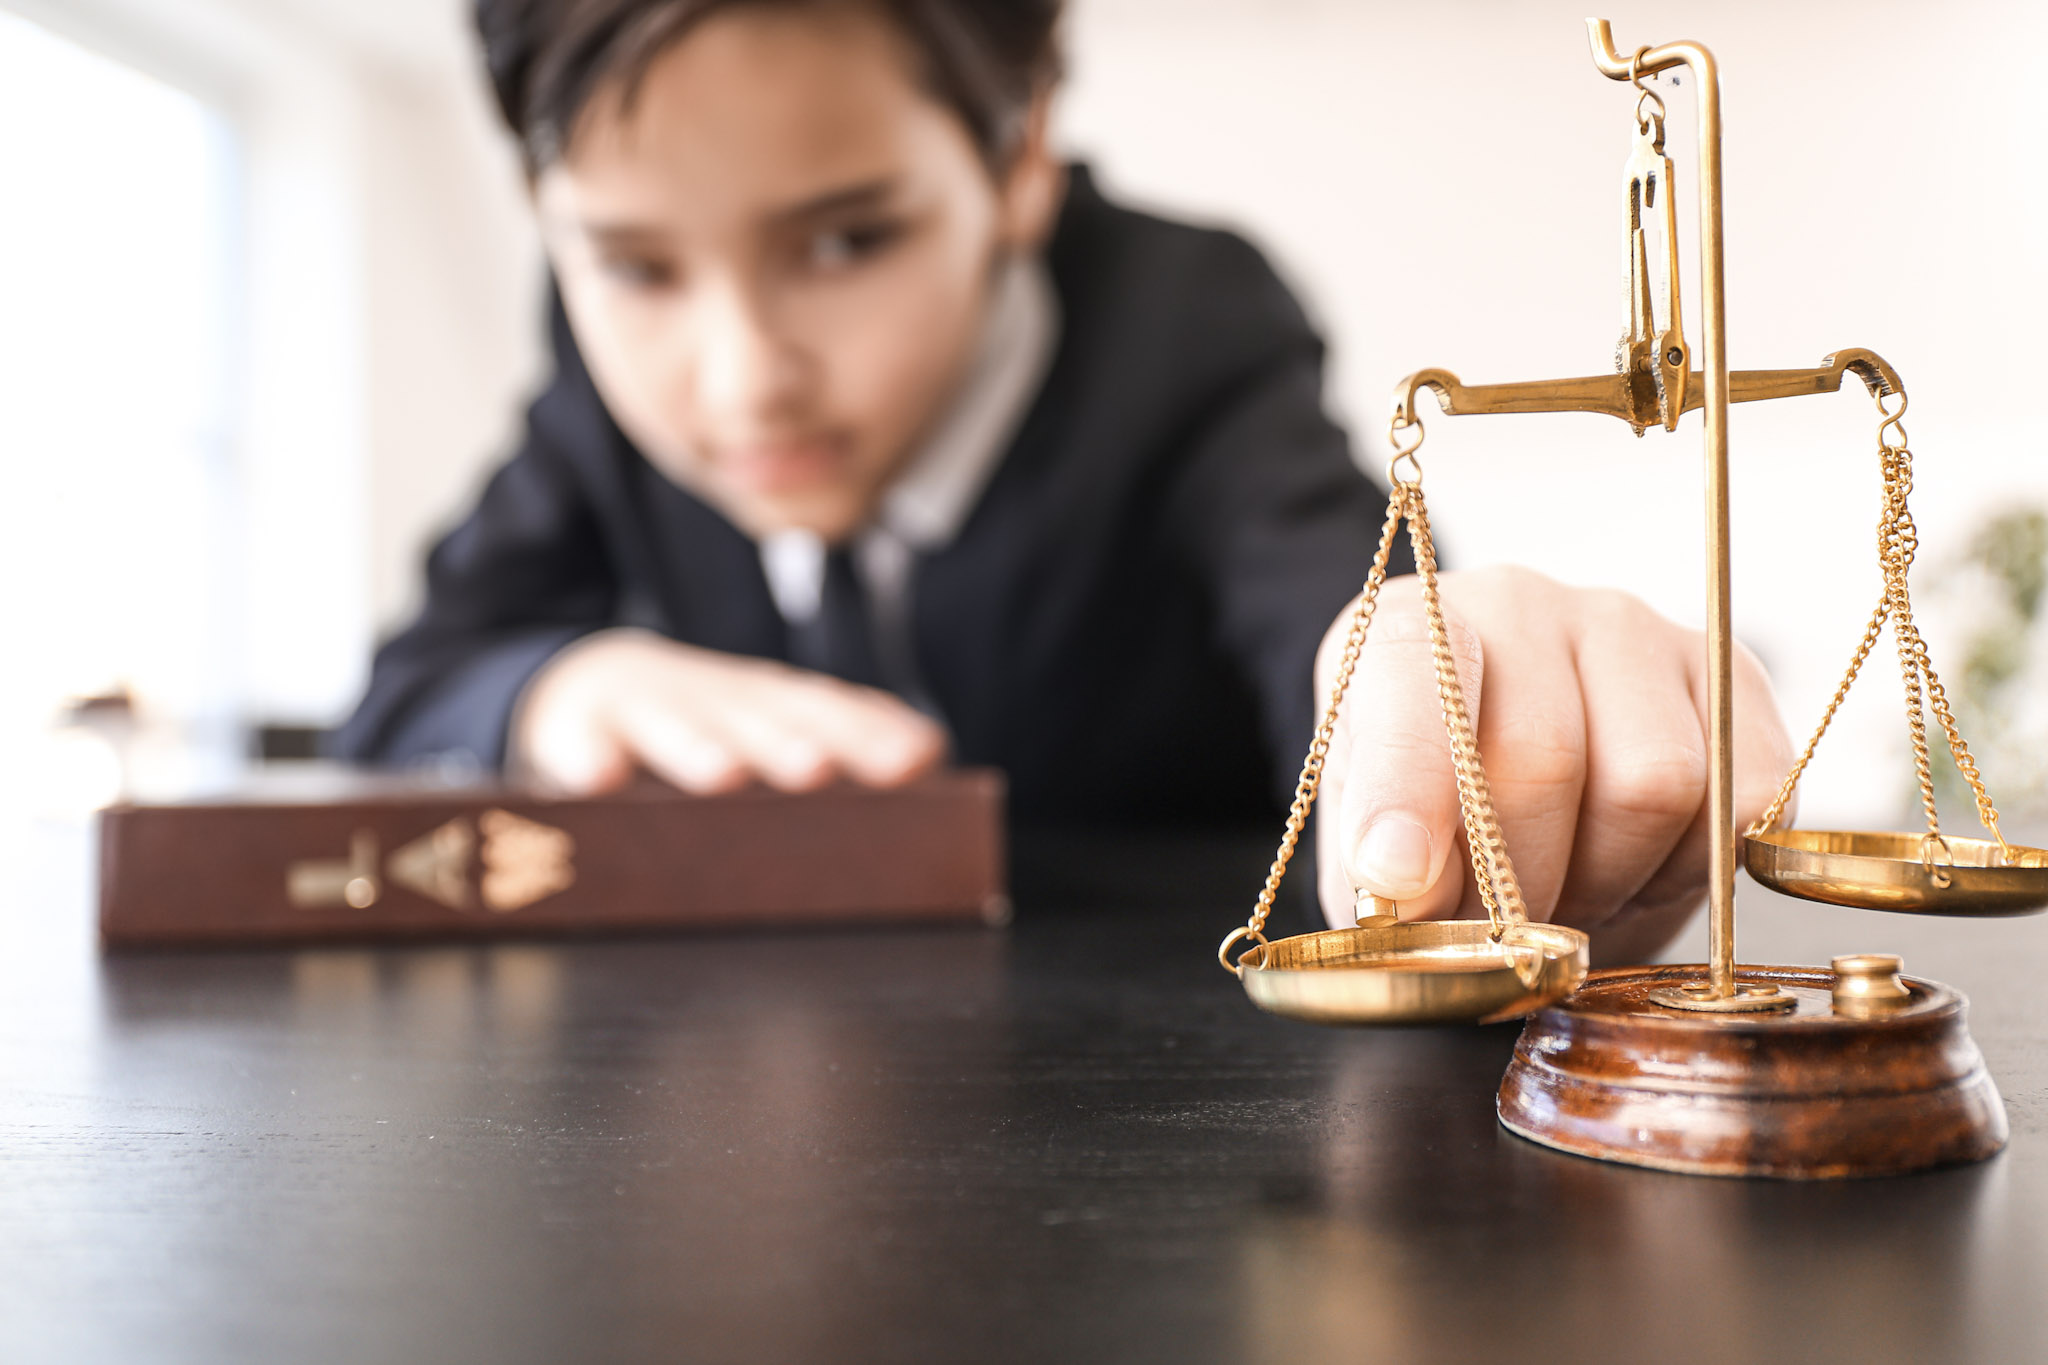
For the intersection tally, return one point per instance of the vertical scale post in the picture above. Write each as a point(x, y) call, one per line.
point(1720, 992)
point(1720, 626)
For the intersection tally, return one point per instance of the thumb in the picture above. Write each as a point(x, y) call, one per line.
point(1394, 821)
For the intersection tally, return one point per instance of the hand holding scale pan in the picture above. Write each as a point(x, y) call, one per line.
point(1711, 1068)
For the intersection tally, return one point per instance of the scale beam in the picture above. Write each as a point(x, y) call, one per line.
point(1613, 395)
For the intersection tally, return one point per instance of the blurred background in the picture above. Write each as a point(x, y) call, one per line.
point(270, 309)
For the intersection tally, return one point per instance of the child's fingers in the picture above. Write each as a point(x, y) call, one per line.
point(1532, 734)
point(1394, 825)
point(1646, 777)
point(872, 737)
point(1673, 894)
point(1593, 739)
point(752, 728)
point(1763, 748)
point(678, 749)
point(572, 752)
point(1763, 751)
point(710, 722)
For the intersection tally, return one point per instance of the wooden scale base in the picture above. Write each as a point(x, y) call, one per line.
point(1839, 1085)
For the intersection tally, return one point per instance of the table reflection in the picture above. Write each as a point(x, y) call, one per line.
point(1413, 1239)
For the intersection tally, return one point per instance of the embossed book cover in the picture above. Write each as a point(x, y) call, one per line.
point(378, 860)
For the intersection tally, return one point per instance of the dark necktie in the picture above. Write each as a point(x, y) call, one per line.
point(840, 639)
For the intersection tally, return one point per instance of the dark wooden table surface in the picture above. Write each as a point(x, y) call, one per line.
point(1071, 1140)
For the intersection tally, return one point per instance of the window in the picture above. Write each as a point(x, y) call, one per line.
point(117, 377)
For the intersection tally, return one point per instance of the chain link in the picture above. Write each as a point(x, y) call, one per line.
point(1769, 819)
point(1647, 96)
point(1311, 778)
point(1492, 872)
point(1898, 541)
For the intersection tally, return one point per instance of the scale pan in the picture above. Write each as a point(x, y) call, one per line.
point(1873, 871)
point(1432, 972)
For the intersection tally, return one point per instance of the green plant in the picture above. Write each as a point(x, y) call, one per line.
point(2001, 696)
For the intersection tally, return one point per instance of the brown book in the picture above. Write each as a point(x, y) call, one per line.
point(385, 861)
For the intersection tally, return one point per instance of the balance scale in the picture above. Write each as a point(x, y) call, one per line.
point(1714, 1068)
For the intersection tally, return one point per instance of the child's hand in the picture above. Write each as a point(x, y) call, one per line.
point(1591, 718)
point(709, 722)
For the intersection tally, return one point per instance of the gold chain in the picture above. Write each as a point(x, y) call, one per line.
point(1769, 819)
point(1311, 777)
point(1898, 541)
point(1492, 872)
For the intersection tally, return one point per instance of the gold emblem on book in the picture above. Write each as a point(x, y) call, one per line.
point(314, 883)
point(436, 865)
point(523, 861)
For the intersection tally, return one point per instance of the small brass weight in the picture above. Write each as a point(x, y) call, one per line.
point(1850, 1070)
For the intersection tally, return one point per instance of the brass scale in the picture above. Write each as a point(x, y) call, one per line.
point(1385, 972)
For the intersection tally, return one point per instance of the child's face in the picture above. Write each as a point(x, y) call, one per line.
point(777, 260)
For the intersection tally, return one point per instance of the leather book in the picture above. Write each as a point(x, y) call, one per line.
point(377, 861)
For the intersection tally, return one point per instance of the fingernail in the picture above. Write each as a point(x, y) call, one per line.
point(1393, 857)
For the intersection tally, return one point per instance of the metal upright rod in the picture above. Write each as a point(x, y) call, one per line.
point(1714, 370)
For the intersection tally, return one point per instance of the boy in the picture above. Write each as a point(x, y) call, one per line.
point(878, 435)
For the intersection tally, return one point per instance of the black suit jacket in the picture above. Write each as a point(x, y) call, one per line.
point(1126, 624)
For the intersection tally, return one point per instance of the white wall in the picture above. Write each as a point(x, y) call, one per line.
point(455, 314)
point(390, 298)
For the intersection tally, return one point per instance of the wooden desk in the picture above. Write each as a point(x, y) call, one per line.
point(1071, 1140)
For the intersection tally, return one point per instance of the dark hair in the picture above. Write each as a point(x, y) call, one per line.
point(984, 59)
